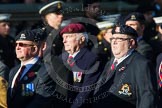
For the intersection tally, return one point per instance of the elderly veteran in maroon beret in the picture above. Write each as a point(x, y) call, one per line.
point(130, 81)
point(74, 37)
point(84, 65)
point(28, 80)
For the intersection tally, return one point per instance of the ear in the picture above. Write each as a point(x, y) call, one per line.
point(44, 46)
point(82, 40)
point(143, 27)
point(131, 43)
point(34, 50)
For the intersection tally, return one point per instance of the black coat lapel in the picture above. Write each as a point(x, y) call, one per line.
point(12, 73)
point(80, 54)
point(108, 72)
point(34, 68)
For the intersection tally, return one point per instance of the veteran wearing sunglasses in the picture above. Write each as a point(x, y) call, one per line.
point(128, 77)
point(28, 86)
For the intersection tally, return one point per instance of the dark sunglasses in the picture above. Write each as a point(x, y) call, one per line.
point(23, 44)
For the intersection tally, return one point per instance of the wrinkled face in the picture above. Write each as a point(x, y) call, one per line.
point(120, 45)
point(4, 28)
point(137, 26)
point(54, 19)
point(72, 42)
point(25, 50)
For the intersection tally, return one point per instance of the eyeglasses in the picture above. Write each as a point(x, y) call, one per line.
point(119, 39)
point(24, 44)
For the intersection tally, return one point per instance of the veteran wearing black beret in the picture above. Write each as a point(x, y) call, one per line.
point(35, 35)
point(28, 79)
point(123, 82)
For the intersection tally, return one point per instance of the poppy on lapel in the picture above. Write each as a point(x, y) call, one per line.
point(31, 74)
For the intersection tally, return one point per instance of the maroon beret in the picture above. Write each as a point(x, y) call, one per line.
point(73, 28)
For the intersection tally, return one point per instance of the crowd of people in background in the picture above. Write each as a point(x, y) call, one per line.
point(79, 65)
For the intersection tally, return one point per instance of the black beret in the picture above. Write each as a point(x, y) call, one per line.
point(124, 29)
point(135, 16)
point(88, 2)
point(55, 6)
point(35, 35)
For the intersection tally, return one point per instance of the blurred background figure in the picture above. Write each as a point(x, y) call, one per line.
point(7, 43)
point(91, 14)
point(152, 32)
point(7, 57)
point(3, 92)
point(148, 10)
point(136, 20)
point(158, 7)
point(52, 16)
point(104, 49)
point(92, 9)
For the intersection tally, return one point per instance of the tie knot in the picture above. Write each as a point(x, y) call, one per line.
point(113, 66)
point(70, 61)
point(23, 67)
point(115, 62)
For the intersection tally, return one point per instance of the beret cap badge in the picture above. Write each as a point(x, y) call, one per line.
point(22, 36)
point(133, 17)
point(69, 30)
point(117, 29)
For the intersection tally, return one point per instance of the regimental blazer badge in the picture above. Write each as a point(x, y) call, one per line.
point(125, 90)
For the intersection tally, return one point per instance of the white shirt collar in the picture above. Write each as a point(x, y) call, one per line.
point(73, 55)
point(32, 61)
point(29, 64)
point(124, 57)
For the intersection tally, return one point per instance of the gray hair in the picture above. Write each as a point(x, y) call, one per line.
point(83, 34)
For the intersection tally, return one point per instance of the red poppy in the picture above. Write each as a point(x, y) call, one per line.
point(31, 74)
